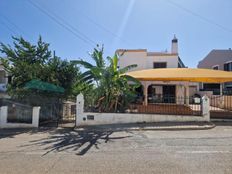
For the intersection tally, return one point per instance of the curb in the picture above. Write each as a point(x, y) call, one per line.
point(138, 127)
point(220, 120)
point(175, 128)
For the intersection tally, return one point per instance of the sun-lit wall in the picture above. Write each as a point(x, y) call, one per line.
point(145, 60)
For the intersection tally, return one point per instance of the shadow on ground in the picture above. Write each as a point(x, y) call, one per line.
point(78, 141)
point(12, 132)
point(223, 123)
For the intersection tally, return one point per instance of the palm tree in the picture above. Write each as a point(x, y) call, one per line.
point(114, 89)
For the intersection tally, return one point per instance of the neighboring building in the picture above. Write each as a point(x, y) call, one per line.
point(4, 79)
point(218, 60)
point(165, 91)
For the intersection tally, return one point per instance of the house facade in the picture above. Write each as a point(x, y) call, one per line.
point(159, 91)
point(148, 60)
point(217, 60)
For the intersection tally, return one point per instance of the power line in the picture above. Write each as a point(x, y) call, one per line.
point(8, 28)
point(103, 27)
point(12, 23)
point(66, 25)
point(69, 25)
point(75, 32)
point(199, 16)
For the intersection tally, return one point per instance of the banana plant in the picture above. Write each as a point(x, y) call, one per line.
point(114, 89)
point(94, 71)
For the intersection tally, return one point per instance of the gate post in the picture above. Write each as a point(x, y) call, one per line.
point(79, 107)
point(3, 116)
point(206, 108)
point(35, 116)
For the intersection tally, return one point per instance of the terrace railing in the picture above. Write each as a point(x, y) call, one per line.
point(159, 104)
point(162, 104)
point(221, 107)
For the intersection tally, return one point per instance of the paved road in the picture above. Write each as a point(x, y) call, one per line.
point(65, 151)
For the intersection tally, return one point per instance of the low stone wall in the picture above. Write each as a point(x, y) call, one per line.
point(83, 118)
point(5, 124)
point(121, 118)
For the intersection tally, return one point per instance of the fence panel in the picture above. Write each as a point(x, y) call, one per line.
point(221, 107)
point(18, 112)
point(159, 104)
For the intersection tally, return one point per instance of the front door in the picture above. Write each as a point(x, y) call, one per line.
point(169, 93)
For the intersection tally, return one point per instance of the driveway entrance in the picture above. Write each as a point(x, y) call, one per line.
point(68, 116)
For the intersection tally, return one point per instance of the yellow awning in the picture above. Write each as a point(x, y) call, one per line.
point(182, 74)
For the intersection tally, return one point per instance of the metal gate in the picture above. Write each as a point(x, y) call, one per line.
point(50, 113)
point(221, 107)
point(68, 116)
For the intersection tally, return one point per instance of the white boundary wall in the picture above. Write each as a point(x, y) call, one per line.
point(83, 119)
point(5, 124)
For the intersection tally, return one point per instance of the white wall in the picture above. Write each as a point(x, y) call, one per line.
point(129, 58)
point(116, 118)
point(5, 124)
point(180, 93)
point(145, 61)
point(172, 61)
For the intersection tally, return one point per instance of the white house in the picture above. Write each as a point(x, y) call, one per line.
point(144, 59)
point(148, 60)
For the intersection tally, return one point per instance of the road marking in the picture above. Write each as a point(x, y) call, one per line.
point(197, 152)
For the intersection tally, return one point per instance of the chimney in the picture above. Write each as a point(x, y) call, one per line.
point(174, 45)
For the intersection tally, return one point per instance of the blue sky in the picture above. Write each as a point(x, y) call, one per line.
point(77, 25)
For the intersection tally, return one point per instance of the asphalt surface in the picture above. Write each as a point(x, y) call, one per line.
point(69, 151)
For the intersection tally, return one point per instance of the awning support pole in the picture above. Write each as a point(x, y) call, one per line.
point(187, 93)
point(145, 93)
point(221, 89)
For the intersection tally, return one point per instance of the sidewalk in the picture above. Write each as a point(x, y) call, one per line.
point(152, 126)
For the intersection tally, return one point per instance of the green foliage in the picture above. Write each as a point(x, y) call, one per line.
point(113, 90)
point(25, 61)
point(94, 71)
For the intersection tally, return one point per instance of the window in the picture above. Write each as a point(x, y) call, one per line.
point(228, 66)
point(159, 65)
point(216, 67)
point(215, 87)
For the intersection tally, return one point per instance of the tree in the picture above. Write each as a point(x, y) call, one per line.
point(25, 61)
point(62, 73)
point(118, 89)
point(94, 71)
point(114, 90)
